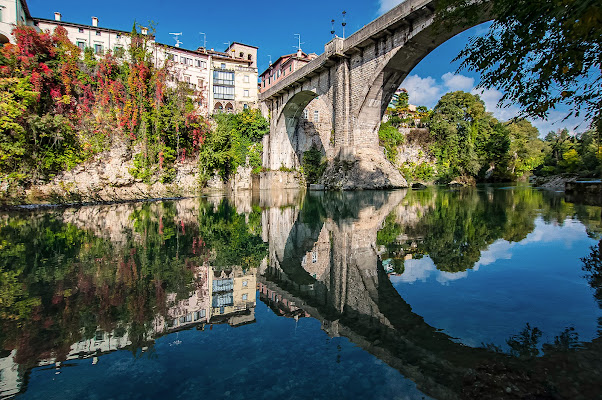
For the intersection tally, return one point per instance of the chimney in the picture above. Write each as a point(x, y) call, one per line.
point(94, 21)
point(144, 30)
point(57, 16)
point(299, 53)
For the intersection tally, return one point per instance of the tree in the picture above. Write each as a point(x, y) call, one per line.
point(468, 139)
point(527, 150)
point(540, 53)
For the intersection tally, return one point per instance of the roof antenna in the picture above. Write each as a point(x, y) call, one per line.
point(332, 30)
point(177, 38)
point(344, 23)
point(204, 39)
point(298, 35)
point(270, 60)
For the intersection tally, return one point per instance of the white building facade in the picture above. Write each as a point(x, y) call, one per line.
point(222, 81)
point(12, 13)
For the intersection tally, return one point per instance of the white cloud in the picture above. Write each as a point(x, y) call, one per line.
point(456, 82)
point(386, 5)
point(422, 91)
point(427, 92)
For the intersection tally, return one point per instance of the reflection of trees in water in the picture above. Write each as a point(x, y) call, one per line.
point(458, 225)
point(592, 265)
point(526, 343)
point(60, 284)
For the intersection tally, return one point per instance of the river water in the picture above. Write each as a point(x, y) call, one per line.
point(485, 293)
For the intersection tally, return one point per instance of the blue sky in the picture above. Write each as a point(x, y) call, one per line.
point(272, 26)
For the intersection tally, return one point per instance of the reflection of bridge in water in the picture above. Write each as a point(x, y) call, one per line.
point(329, 268)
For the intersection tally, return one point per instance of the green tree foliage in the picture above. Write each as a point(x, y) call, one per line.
point(235, 138)
point(314, 164)
point(231, 240)
point(390, 137)
point(566, 153)
point(468, 139)
point(527, 150)
point(539, 53)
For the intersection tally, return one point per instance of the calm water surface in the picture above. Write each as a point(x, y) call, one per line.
point(483, 293)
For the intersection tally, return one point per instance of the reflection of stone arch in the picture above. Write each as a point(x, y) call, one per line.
point(229, 107)
point(218, 106)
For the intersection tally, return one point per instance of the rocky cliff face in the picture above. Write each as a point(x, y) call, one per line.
point(364, 168)
point(107, 178)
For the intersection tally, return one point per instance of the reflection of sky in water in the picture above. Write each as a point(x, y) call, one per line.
point(538, 280)
point(274, 358)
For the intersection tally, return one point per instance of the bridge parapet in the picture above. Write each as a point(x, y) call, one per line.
point(402, 15)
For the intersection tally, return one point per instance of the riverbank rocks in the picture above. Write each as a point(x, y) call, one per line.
point(554, 182)
point(362, 169)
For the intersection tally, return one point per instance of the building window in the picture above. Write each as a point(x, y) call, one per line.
point(305, 113)
point(119, 52)
point(246, 79)
point(199, 314)
point(242, 55)
point(223, 66)
point(290, 69)
point(171, 57)
point(222, 285)
point(99, 335)
point(223, 93)
point(97, 33)
point(81, 30)
point(244, 296)
point(316, 116)
point(250, 57)
point(314, 257)
point(81, 45)
point(223, 78)
point(223, 300)
point(245, 283)
point(246, 93)
point(118, 36)
point(245, 106)
point(98, 48)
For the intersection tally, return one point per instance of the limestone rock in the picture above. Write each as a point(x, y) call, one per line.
point(362, 168)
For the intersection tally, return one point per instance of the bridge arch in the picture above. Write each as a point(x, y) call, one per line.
point(296, 132)
point(397, 63)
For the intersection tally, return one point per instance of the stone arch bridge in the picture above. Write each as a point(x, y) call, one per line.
point(356, 78)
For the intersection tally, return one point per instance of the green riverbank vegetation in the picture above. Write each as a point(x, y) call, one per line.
point(468, 144)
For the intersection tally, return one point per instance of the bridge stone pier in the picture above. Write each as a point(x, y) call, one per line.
point(356, 78)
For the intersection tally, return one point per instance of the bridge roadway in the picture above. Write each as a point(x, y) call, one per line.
point(349, 292)
point(354, 79)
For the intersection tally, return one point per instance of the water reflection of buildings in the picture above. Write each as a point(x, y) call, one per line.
point(219, 296)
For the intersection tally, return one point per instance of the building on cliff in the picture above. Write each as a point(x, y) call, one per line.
point(222, 81)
